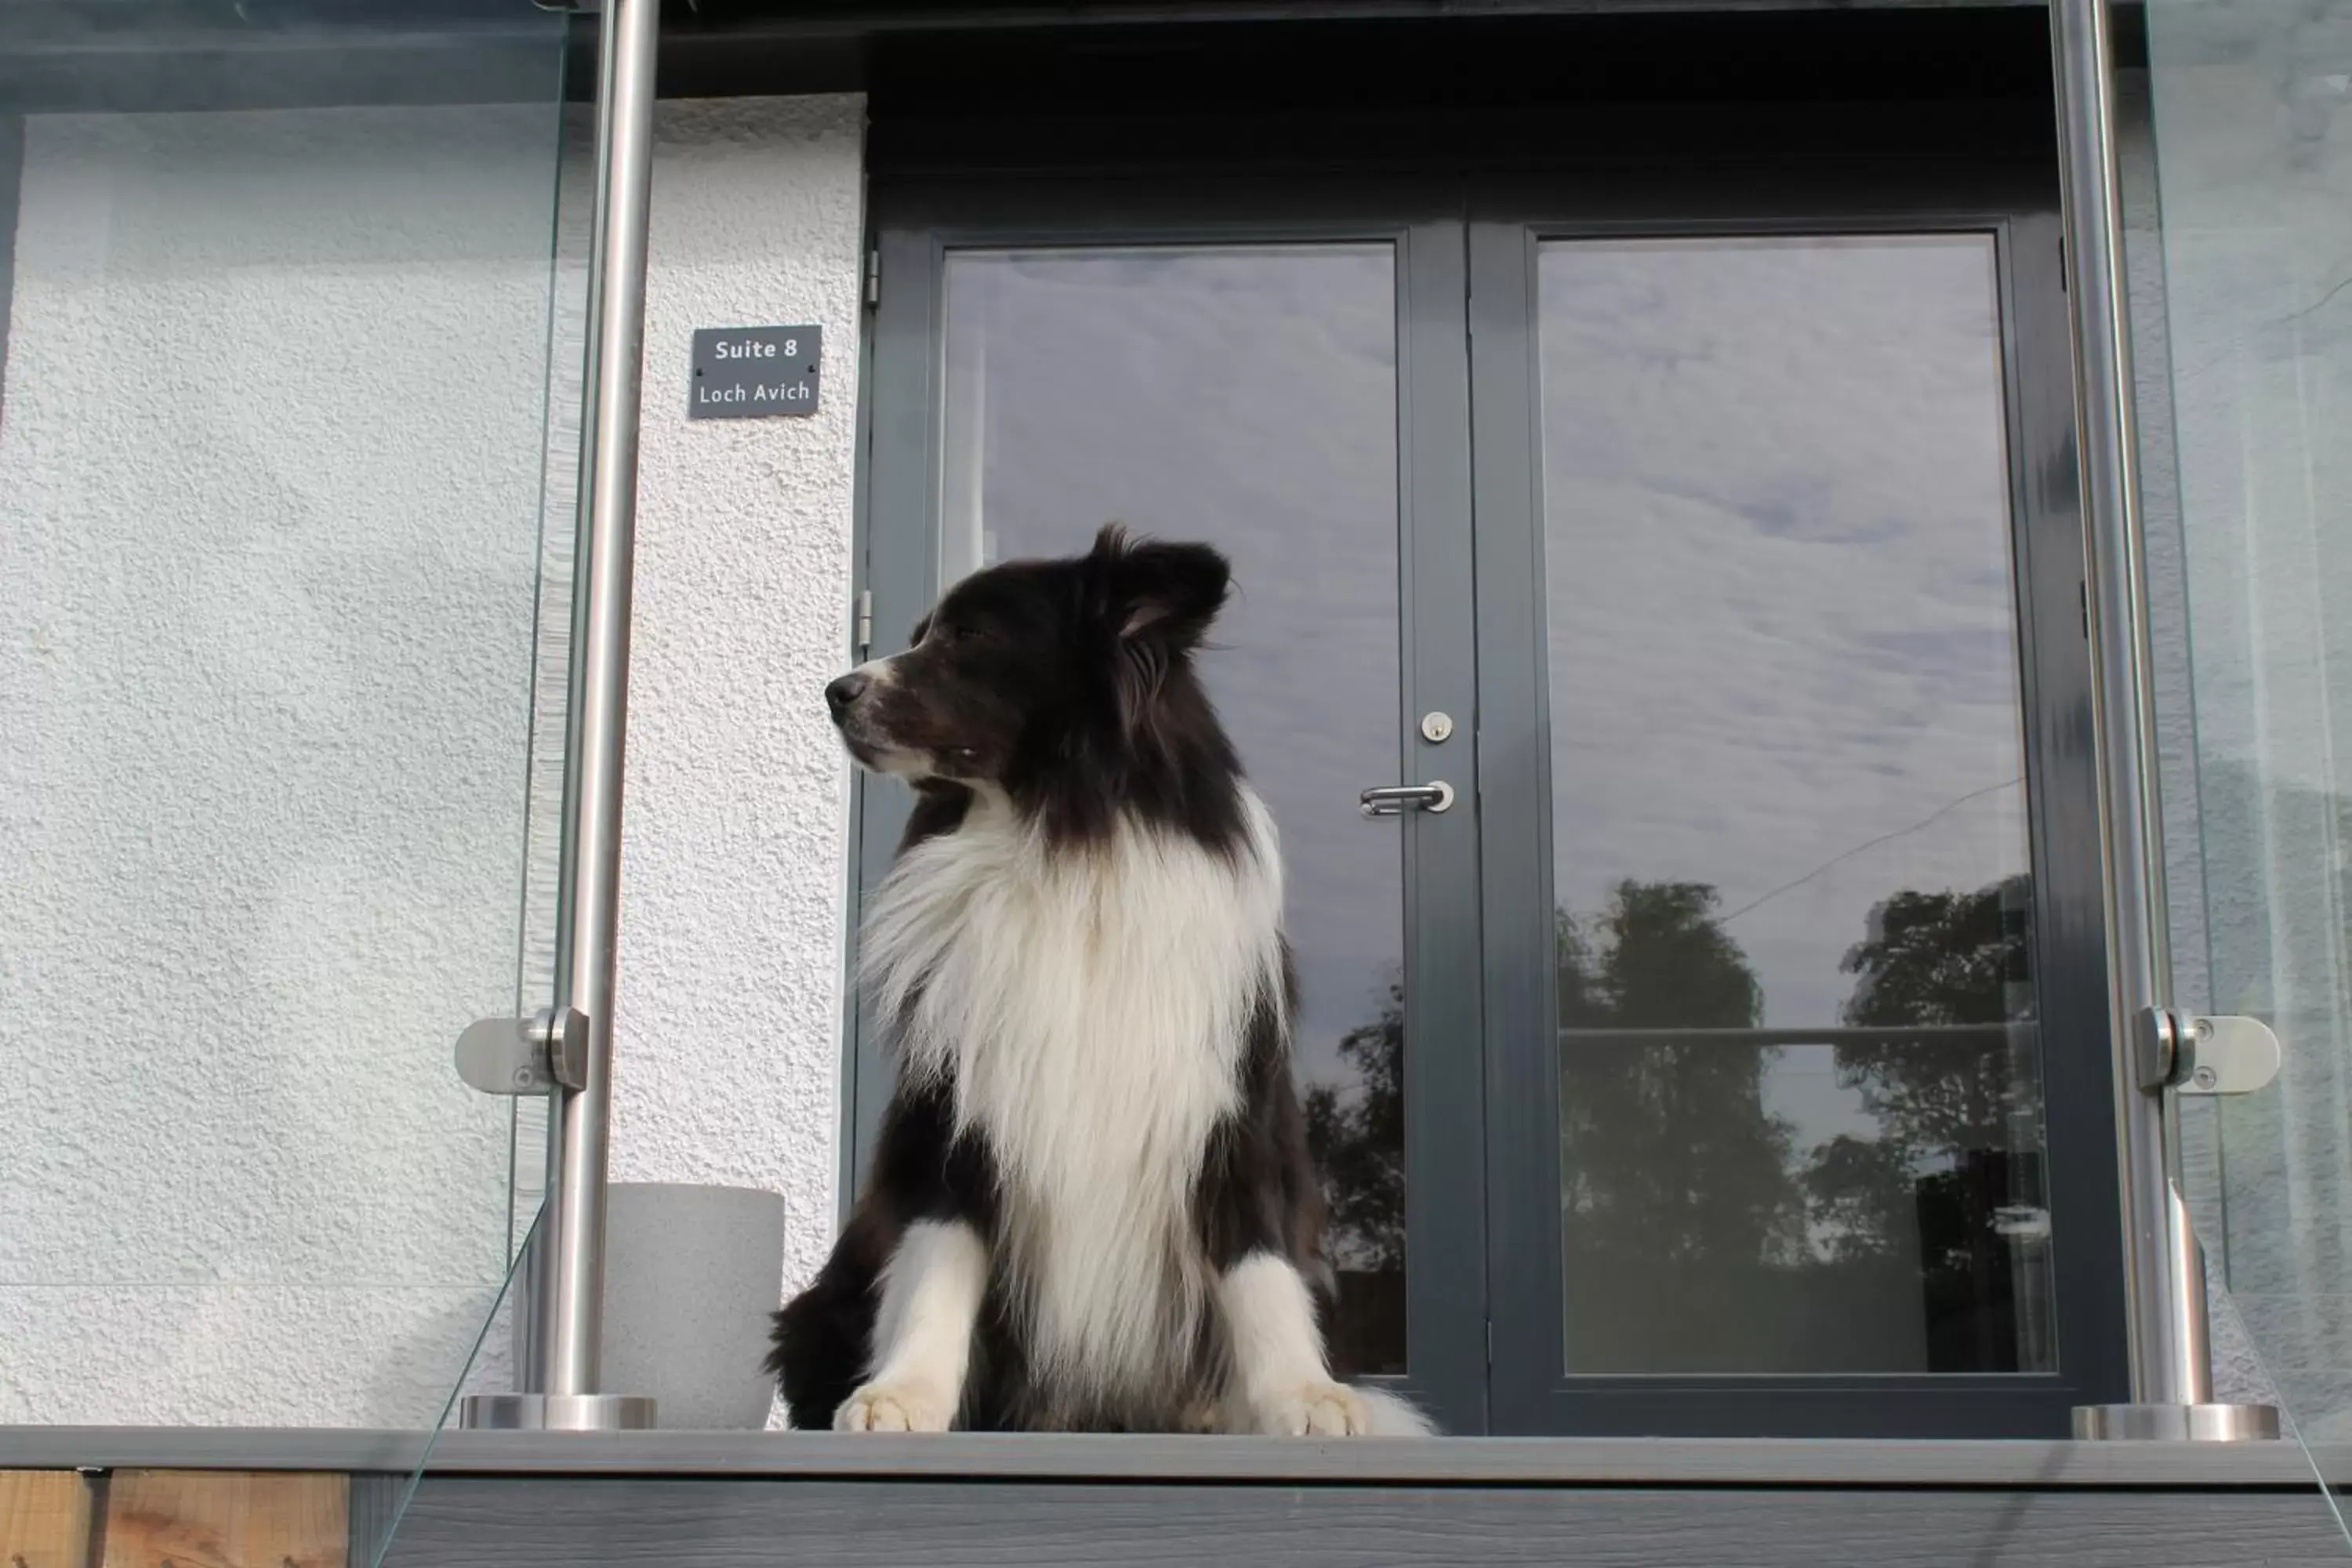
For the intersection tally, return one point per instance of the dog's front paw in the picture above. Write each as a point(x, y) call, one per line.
point(896, 1407)
point(1319, 1409)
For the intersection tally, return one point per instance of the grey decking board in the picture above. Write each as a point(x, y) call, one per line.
point(1467, 1461)
point(516, 1523)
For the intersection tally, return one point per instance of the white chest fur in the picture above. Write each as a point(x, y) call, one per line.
point(1091, 1007)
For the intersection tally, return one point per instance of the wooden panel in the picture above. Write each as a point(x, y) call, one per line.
point(518, 1523)
point(195, 1519)
point(44, 1519)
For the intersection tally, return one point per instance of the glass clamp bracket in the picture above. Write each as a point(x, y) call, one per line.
point(2203, 1056)
point(526, 1055)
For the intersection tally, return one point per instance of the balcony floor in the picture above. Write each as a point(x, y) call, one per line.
point(731, 1499)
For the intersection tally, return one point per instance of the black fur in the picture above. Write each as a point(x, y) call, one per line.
point(1068, 685)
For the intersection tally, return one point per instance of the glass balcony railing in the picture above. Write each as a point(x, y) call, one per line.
point(285, 545)
point(2236, 158)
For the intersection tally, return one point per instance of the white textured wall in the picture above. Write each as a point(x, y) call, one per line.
point(729, 1060)
point(265, 655)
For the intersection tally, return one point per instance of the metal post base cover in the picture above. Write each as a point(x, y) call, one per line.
point(557, 1412)
point(2176, 1423)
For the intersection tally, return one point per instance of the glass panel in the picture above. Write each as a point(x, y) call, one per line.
point(281, 695)
point(1801, 1091)
point(2242, 339)
point(1246, 398)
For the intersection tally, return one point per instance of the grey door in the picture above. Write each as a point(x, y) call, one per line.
point(1796, 1046)
point(1729, 1056)
point(1296, 394)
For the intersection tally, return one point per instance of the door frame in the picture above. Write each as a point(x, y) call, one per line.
point(2015, 202)
point(916, 225)
point(1466, 441)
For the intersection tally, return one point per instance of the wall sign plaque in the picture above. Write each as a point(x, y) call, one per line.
point(754, 372)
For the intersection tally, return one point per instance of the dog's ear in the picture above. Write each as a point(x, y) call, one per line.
point(1157, 600)
point(1157, 594)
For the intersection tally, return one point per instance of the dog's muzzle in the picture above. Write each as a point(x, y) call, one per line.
point(843, 694)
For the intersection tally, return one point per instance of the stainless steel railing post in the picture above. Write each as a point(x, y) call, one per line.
point(2170, 1353)
point(568, 1274)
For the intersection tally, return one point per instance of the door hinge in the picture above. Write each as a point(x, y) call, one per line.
point(873, 277)
point(865, 632)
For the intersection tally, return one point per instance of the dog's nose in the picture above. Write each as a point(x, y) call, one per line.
point(843, 693)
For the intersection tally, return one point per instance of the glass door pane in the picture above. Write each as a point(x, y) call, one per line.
point(282, 653)
point(1079, 391)
point(1801, 1103)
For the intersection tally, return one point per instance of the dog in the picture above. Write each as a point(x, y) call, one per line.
point(1091, 1207)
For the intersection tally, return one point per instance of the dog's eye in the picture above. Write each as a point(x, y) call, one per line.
point(961, 636)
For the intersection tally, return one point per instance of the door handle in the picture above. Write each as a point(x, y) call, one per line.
point(1395, 800)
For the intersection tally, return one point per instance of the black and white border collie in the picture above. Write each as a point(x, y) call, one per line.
point(1091, 1207)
